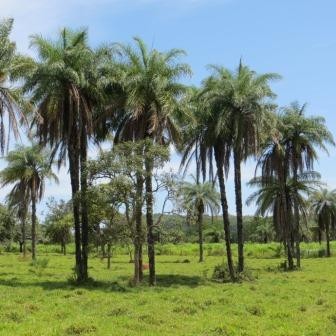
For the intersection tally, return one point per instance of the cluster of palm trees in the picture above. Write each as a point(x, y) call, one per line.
point(72, 95)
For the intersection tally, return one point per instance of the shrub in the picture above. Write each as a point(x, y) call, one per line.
point(221, 274)
point(39, 266)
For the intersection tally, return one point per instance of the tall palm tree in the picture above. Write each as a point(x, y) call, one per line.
point(27, 169)
point(323, 206)
point(243, 99)
point(11, 100)
point(302, 136)
point(203, 140)
point(152, 87)
point(198, 198)
point(64, 85)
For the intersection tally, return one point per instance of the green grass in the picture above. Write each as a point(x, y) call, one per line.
point(39, 300)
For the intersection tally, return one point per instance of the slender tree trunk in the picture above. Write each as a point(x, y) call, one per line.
point(239, 209)
point(74, 176)
point(296, 220)
point(64, 248)
point(226, 220)
point(288, 231)
point(33, 232)
point(23, 232)
point(328, 240)
point(319, 236)
point(84, 206)
point(138, 273)
point(108, 255)
point(103, 252)
point(200, 234)
point(150, 223)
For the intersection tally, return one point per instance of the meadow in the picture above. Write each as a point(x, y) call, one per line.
point(186, 301)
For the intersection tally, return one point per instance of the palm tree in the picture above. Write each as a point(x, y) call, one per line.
point(198, 198)
point(323, 206)
point(27, 169)
point(243, 99)
point(151, 83)
point(279, 197)
point(64, 85)
point(11, 101)
point(18, 200)
point(202, 141)
point(302, 135)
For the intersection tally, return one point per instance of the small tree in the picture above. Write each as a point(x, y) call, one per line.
point(323, 206)
point(59, 223)
point(198, 198)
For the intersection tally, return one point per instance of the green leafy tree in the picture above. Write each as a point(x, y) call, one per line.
point(59, 223)
point(122, 166)
point(7, 225)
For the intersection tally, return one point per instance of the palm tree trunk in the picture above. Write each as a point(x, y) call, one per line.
point(200, 234)
point(226, 221)
point(84, 206)
point(239, 209)
point(288, 230)
point(296, 220)
point(74, 176)
point(23, 232)
point(33, 232)
point(150, 223)
point(328, 240)
point(108, 255)
point(138, 273)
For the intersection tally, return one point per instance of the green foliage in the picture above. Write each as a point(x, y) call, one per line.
point(8, 224)
point(11, 99)
point(59, 223)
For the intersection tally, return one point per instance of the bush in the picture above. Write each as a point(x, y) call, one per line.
point(221, 274)
point(39, 266)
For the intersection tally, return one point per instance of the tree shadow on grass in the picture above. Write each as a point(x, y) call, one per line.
point(175, 280)
point(106, 286)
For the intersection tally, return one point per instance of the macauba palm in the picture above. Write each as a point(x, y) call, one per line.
point(152, 87)
point(63, 83)
point(196, 199)
point(323, 207)
point(242, 100)
point(28, 169)
point(12, 103)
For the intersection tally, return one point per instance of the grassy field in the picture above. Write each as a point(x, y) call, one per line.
point(185, 302)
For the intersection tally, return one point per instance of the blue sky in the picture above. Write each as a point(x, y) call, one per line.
point(293, 38)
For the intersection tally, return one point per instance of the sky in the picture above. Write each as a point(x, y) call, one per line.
point(296, 39)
